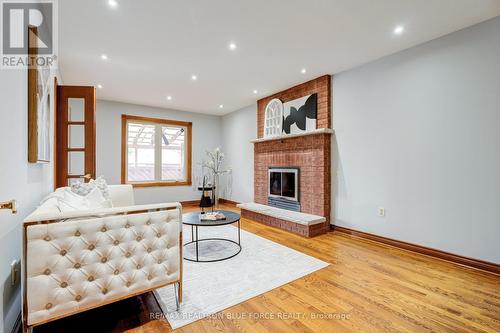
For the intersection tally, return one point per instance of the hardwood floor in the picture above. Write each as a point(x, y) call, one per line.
point(368, 287)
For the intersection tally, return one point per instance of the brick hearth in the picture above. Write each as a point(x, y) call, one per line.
point(309, 153)
point(303, 230)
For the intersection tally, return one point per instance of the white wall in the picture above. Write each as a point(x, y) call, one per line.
point(238, 128)
point(206, 136)
point(20, 180)
point(418, 133)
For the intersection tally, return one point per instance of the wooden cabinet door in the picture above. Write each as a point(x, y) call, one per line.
point(75, 135)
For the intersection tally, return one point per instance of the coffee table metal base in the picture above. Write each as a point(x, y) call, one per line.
point(195, 240)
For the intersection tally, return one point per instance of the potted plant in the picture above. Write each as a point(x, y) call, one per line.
point(213, 163)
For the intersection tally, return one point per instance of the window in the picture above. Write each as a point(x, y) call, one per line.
point(155, 152)
point(273, 118)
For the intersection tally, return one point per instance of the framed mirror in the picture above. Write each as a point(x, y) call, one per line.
point(39, 106)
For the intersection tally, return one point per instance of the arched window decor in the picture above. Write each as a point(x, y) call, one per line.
point(273, 118)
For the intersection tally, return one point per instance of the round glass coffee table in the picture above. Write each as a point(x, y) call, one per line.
point(193, 219)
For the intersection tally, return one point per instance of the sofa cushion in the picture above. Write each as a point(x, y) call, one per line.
point(121, 195)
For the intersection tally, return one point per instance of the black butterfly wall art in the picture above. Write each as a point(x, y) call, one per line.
point(300, 114)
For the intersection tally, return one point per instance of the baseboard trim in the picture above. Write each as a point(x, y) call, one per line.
point(228, 202)
point(454, 258)
point(191, 203)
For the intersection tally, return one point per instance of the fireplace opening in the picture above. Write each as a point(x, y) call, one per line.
point(283, 188)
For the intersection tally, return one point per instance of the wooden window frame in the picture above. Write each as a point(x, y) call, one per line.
point(189, 126)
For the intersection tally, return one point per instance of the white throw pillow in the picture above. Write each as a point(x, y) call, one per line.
point(101, 184)
point(92, 201)
point(96, 200)
point(71, 201)
point(64, 199)
point(49, 205)
point(83, 189)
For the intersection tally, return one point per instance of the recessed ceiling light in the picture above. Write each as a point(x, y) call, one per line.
point(398, 30)
point(232, 46)
point(221, 106)
point(194, 77)
point(104, 57)
point(169, 98)
point(303, 71)
point(113, 3)
point(99, 86)
point(255, 91)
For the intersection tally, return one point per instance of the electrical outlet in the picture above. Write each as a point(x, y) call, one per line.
point(381, 211)
point(14, 272)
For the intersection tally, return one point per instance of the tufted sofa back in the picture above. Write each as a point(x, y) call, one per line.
point(80, 264)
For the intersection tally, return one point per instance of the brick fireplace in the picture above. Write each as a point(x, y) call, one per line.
point(310, 153)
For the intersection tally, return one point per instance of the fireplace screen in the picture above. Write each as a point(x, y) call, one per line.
point(283, 183)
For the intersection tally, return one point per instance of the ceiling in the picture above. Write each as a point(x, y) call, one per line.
point(155, 46)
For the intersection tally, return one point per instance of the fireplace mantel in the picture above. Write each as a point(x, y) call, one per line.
point(288, 136)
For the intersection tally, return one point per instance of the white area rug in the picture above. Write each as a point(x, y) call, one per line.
point(208, 288)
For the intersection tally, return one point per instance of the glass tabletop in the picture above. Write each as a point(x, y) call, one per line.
point(193, 218)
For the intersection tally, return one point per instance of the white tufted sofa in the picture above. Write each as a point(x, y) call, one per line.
point(77, 261)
